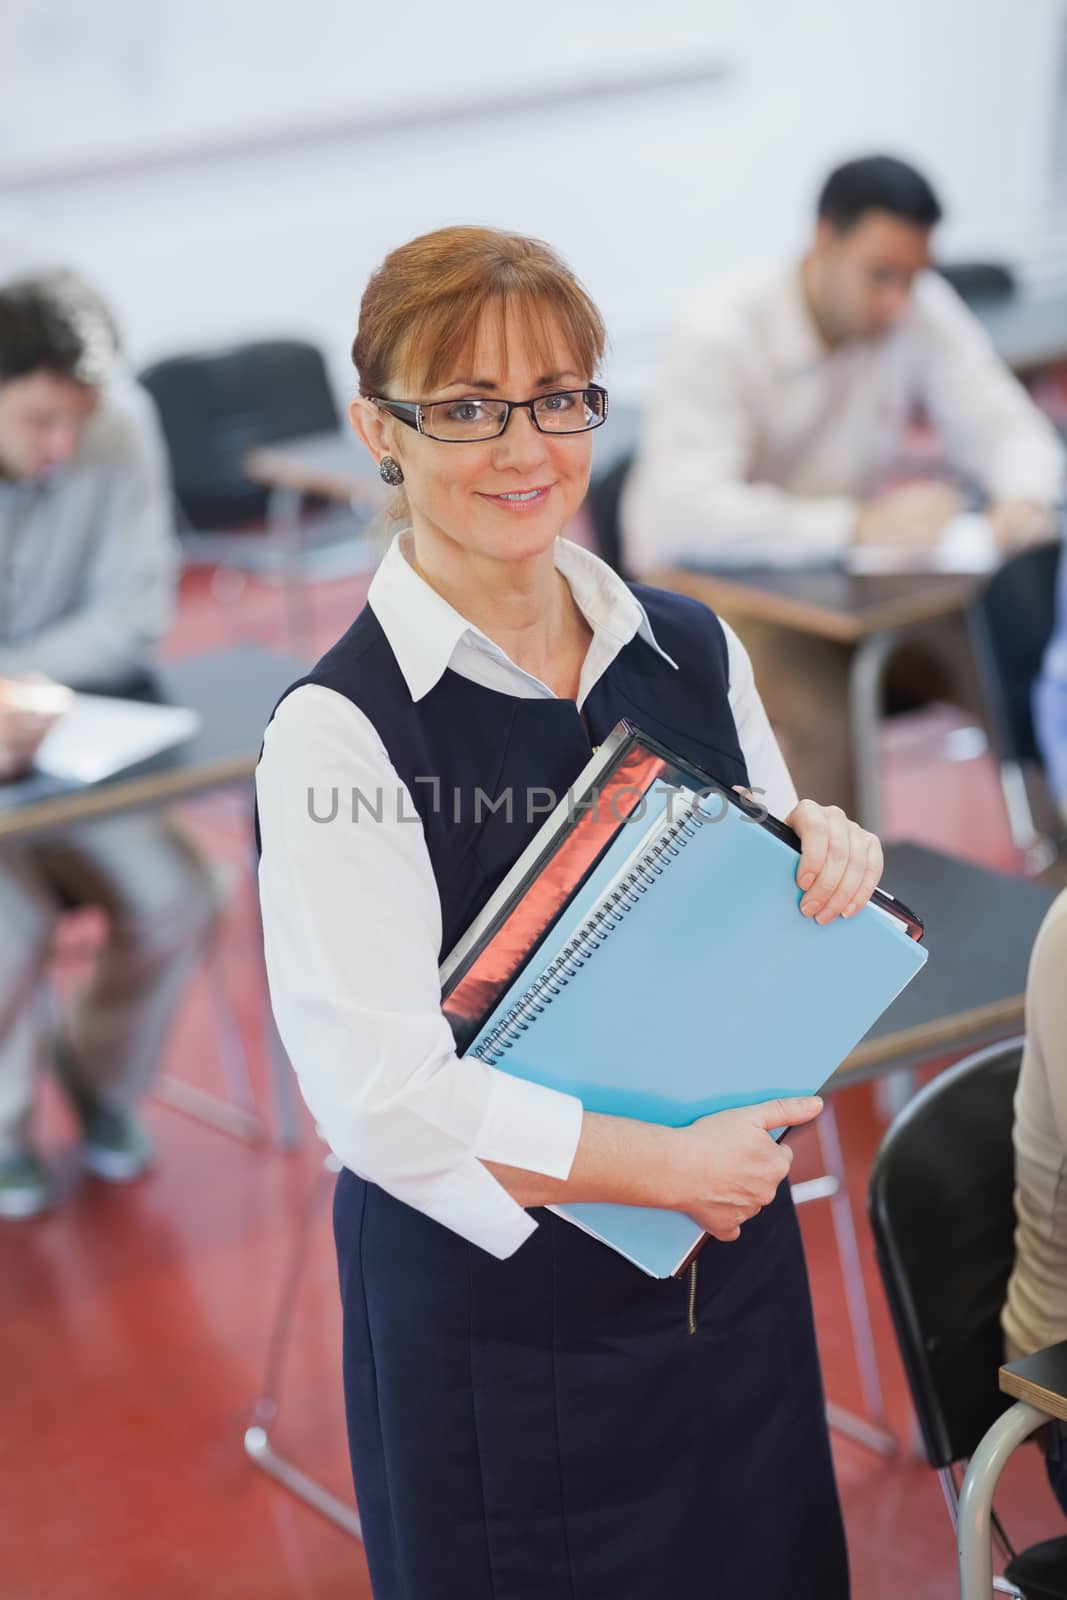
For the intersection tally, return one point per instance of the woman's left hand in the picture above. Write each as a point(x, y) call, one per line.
point(840, 862)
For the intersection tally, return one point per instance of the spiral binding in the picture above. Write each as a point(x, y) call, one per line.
point(593, 933)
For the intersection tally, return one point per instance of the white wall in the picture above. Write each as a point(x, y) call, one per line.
point(645, 193)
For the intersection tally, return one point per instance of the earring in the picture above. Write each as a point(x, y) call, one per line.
point(390, 472)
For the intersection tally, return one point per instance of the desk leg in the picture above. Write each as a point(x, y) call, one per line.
point(866, 682)
point(283, 519)
point(282, 1077)
point(872, 1429)
point(866, 693)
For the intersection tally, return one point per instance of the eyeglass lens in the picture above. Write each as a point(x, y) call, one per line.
point(574, 411)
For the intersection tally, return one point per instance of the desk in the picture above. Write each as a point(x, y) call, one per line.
point(980, 929)
point(336, 466)
point(331, 466)
point(821, 641)
point(1040, 1380)
point(234, 691)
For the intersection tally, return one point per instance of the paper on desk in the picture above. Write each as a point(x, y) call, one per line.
point(100, 736)
point(966, 545)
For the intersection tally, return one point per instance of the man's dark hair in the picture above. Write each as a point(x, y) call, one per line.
point(54, 322)
point(877, 183)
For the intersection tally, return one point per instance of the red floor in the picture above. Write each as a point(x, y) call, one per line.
point(135, 1324)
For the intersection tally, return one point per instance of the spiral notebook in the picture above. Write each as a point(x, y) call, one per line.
point(647, 955)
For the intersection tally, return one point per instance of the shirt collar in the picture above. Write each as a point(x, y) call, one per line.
point(796, 343)
point(424, 631)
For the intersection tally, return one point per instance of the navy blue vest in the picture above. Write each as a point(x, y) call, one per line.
point(505, 1371)
point(462, 738)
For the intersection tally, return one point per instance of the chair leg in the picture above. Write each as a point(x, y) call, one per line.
point(284, 521)
point(239, 1116)
point(871, 1430)
point(282, 1076)
point(257, 1436)
point(866, 683)
point(947, 1479)
point(259, 1450)
point(1024, 831)
point(975, 1530)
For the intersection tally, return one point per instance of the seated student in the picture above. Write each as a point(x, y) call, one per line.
point(784, 397)
point(87, 576)
point(1035, 1313)
point(1050, 701)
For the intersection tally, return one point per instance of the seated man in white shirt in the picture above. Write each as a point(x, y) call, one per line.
point(784, 397)
point(777, 418)
point(87, 576)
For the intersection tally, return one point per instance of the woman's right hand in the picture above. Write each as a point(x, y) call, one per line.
point(728, 1167)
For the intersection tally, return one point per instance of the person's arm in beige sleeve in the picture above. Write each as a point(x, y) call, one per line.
point(1046, 1012)
point(689, 494)
point(991, 428)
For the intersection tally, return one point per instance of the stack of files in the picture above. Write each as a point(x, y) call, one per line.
point(647, 954)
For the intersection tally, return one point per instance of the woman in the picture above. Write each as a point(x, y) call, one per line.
point(1035, 1314)
point(529, 1415)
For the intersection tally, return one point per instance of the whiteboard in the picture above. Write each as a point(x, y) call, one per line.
point(92, 85)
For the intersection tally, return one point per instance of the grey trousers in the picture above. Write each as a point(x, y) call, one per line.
point(160, 898)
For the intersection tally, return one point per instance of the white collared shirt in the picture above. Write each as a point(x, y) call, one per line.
point(759, 444)
point(352, 919)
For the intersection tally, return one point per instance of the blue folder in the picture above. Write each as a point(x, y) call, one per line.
point(683, 980)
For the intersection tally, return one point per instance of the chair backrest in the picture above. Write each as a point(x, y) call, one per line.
point(217, 405)
point(1010, 626)
point(942, 1213)
point(603, 500)
point(979, 282)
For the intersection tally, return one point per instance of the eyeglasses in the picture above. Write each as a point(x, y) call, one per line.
point(478, 417)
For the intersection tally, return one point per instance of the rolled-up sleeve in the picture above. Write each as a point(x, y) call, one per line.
point(352, 930)
point(991, 427)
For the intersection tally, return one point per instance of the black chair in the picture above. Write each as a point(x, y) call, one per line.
point(215, 407)
point(603, 500)
point(1010, 626)
point(941, 1202)
point(979, 282)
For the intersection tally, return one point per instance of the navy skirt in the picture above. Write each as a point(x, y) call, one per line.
point(549, 1428)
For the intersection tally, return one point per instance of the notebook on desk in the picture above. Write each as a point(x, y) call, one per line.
point(646, 954)
point(99, 736)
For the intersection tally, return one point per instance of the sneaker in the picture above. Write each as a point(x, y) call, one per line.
point(116, 1148)
point(25, 1185)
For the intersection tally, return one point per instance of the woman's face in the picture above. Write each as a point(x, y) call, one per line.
point(457, 492)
